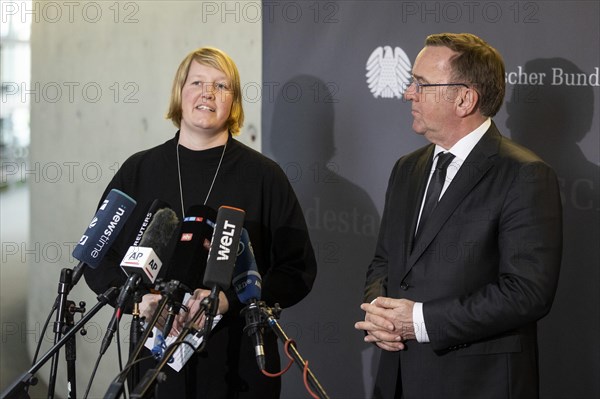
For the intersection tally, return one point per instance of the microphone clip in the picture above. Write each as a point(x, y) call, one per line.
point(174, 292)
point(256, 320)
point(254, 315)
point(171, 287)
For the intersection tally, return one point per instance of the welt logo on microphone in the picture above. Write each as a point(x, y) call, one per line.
point(226, 241)
point(223, 247)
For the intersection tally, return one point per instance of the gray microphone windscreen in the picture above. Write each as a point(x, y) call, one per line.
point(160, 230)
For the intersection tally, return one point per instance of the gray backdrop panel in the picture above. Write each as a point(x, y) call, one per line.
point(337, 144)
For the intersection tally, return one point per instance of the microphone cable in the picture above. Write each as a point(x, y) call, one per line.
point(120, 361)
point(43, 333)
point(305, 369)
point(87, 391)
point(119, 356)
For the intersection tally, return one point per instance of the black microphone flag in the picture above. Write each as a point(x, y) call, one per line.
point(188, 262)
point(223, 247)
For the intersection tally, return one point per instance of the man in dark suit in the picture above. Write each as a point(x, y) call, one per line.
point(460, 276)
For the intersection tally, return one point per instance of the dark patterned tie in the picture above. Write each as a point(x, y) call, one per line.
point(435, 187)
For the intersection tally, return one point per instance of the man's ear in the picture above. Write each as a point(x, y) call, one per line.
point(467, 101)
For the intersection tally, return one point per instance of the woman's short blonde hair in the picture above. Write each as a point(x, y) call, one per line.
point(217, 59)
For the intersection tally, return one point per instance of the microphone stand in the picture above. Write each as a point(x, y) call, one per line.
point(18, 389)
point(64, 286)
point(211, 305)
point(208, 306)
point(70, 354)
point(64, 322)
point(68, 279)
point(70, 346)
point(168, 290)
point(271, 316)
point(135, 333)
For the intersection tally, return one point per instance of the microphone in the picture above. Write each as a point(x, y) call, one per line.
point(154, 207)
point(142, 263)
point(188, 262)
point(223, 247)
point(246, 278)
point(189, 257)
point(105, 226)
point(145, 260)
point(247, 283)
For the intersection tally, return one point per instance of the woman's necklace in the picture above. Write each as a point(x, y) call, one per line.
point(211, 184)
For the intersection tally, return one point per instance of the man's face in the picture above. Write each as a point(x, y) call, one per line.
point(433, 108)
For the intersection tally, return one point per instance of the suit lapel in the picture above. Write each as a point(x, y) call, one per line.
point(471, 172)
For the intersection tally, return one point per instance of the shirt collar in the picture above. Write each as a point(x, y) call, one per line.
point(463, 147)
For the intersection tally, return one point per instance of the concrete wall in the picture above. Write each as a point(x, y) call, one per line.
point(101, 78)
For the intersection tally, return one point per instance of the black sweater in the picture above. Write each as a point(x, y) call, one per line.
point(277, 229)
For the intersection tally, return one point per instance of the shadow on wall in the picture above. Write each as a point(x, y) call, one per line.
point(551, 120)
point(343, 224)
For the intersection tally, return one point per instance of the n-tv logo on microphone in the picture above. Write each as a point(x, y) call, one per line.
point(226, 241)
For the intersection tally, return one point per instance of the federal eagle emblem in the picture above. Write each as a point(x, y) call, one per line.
point(388, 72)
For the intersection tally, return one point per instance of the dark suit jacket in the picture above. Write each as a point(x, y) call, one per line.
point(485, 266)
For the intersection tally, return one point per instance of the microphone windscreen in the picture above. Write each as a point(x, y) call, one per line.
point(146, 259)
point(160, 230)
point(104, 228)
point(155, 206)
point(223, 247)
